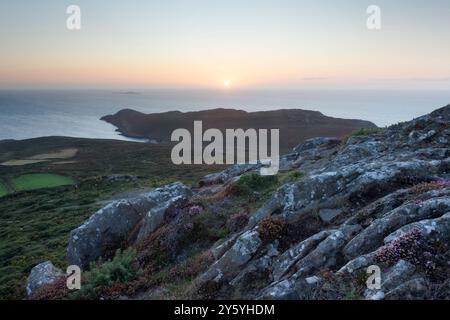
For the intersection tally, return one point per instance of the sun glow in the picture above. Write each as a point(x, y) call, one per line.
point(226, 84)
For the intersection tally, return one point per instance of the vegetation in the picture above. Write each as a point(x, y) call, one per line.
point(366, 131)
point(3, 190)
point(35, 224)
point(123, 268)
point(40, 180)
point(272, 228)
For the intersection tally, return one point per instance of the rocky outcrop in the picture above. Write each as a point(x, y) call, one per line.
point(378, 198)
point(110, 228)
point(43, 274)
point(371, 190)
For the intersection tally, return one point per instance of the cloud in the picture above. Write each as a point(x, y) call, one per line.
point(441, 79)
point(314, 78)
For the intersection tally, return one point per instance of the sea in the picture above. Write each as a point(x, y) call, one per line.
point(77, 113)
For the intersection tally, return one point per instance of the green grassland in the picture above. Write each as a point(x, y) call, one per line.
point(40, 180)
point(3, 190)
point(35, 224)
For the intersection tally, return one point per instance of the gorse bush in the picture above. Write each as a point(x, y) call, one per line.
point(123, 268)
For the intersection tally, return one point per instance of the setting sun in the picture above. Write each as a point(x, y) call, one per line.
point(226, 83)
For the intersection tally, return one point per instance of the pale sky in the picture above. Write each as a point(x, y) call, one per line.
point(207, 43)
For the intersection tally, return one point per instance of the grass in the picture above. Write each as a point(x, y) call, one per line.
point(40, 180)
point(3, 190)
point(366, 131)
point(35, 224)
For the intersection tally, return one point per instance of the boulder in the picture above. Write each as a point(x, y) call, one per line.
point(107, 230)
point(43, 274)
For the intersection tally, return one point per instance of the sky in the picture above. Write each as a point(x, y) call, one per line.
point(230, 44)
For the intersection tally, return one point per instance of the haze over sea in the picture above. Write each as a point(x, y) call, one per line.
point(30, 114)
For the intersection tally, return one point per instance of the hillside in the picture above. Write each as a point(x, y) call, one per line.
point(295, 125)
point(336, 207)
point(48, 186)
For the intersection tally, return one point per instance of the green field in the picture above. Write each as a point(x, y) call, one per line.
point(39, 181)
point(3, 190)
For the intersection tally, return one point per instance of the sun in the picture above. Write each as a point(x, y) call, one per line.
point(226, 84)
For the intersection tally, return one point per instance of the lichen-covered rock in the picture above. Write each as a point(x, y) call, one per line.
point(373, 235)
point(41, 275)
point(438, 228)
point(414, 289)
point(107, 230)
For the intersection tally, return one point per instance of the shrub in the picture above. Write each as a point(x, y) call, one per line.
point(429, 186)
point(192, 267)
point(123, 268)
point(366, 131)
point(54, 291)
point(272, 228)
point(237, 221)
point(406, 247)
point(249, 183)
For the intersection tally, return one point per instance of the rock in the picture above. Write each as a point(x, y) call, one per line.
point(106, 231)
point(398, 274)
point(328, 215)
point(376, 295)
point(322, 257)
point(414, 289)
point(358, 263)
point(325, 254)
point(315, 143)
point(228, 174)
point(313, 280)
point(438, 228)
point(373, 235)
point(43, 274)
point(231, 262)
point(290, 257)
point(154, 218)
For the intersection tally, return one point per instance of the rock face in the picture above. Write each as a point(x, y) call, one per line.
point(110, 227)
point(41, 275)
point(369, 191)
point(379, 198)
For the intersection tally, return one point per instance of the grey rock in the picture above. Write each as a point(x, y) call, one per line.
point(43, 274)
point(328, 215)
point(438, 228)
point(372, 237)
point(106, 230)
point(232, 261)
point(398, 274)
point(414, 289)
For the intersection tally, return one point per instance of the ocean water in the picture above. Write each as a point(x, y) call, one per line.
point(30, 114)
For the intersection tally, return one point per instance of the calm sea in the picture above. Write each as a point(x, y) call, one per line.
point(29, 114)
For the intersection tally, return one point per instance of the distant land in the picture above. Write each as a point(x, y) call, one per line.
point(295, 125)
